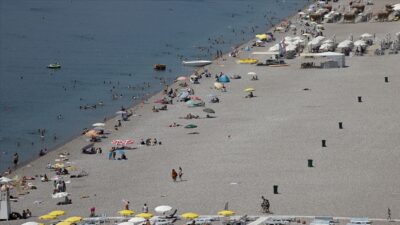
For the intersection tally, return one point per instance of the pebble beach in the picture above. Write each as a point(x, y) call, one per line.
point(252, 144)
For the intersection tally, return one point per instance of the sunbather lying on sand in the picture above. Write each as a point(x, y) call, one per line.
point(190, 116)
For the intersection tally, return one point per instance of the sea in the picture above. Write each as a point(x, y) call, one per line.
point(106, 49)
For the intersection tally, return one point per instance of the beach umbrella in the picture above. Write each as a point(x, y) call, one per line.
point(208, 110)
point(64, 223)
point(126, 212)
point(190, 216)
point(32, 223)
point(137, 220)
point(190, 126)
point(360, 43)
point(249, 89)
point(218, 85)
point(98, 124)
point(126, 223)
point(120, 112)
point(47, 217)
point(224, 79)
point(73, 219)
point(345, 44)
point(57, 212)
point(91, 133)
point(251, 73)
point(5, 180)
point(226, 213)
point(162, 208)
point(59, 195)
point(366, 36)
point(144, 215)
point(182, 78)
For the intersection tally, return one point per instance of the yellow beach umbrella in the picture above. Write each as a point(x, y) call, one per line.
point(64, 223)
point(262, 36)
point(47, 217)
point(73, 219)
point(145, 215)
point(249, 89)
point(56, 213)
point(226, 213)
point(190, 216)
point(126, 212)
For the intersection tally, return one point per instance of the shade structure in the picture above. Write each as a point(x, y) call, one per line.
point(249, 89)
point(57, 212)
point(208, 110)
point(126, 212)
point(163, 208)
point(47, 217)
point(190, 216)
point(32, 223)
point(120, 112)
point(98, 124)
point(64, 223)
point(145, 215)
point(73, 219)
point(226, 213)
point(137, 220)
point(190, 126)
point(251, 73)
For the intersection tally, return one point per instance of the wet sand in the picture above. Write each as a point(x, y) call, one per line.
point(253, 144)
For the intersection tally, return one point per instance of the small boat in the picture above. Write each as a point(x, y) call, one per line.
point(159, 67)
point(247, 61)
point(196, 63)
point(54, 66)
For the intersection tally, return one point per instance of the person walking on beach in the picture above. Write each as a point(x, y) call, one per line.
point(145, 209)
point(174, 175)
point(15, 160)
point(180, 173)
point(92, 212)
point(126, 204)
point(389, 214)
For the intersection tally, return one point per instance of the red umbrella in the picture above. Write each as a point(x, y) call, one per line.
point(122, 142)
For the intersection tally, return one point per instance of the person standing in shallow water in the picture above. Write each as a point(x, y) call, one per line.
point(174, 174)
point(15, 160)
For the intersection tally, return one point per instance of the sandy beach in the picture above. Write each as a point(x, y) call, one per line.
point(253, 143)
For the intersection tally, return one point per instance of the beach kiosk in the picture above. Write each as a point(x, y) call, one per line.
point(323, 60)
point(5, 207)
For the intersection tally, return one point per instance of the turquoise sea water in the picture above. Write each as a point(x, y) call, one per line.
point(105, 48)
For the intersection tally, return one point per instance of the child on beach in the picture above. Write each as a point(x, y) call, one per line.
point(174, 174)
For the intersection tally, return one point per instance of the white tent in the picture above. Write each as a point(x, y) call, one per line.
point(326, 59)
point(396, 7)
point(316, 42)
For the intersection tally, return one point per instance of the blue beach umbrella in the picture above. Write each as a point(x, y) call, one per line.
point(224, 79)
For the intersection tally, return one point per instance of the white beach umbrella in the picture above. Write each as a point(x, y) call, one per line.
point(360, 43)
point(31, 223)
point(98, 124)
point(60, 195)
point(162, 208)
point(5, 180)
point(396, 7)
point(126, 223)
point(251, 73)
point(366, 36)
point(345, 44)
point(274, 48)
point(136, 220)
point(291, 47)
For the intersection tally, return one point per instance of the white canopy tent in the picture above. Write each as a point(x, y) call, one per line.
point(325, 59)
